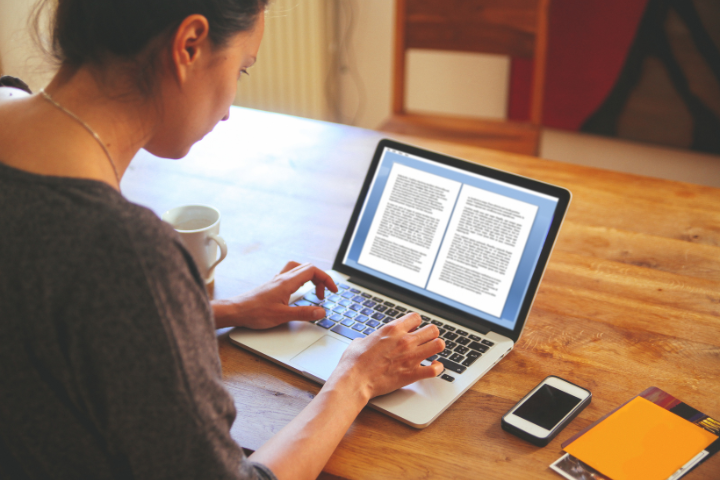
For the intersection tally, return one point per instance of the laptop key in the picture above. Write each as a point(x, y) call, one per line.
point(442, 331)
point(343, 286)
point(469, 361)
point(387, 319)
point(311, 297)
point(461, 350)
point(334, 298)
point(452, 366)
point(359, 327)
point(356, 307)
point(463, 340)
point(456, 357)
point(345, 303)
point(366, 311)
point(339, 309)
point(358, 299)
point(369, 303)
point(447, 378)
point(400, 309)
point(474, 354)
point(366, 295)
point(347, 295)
point(350, 313)
point(450, 335)
point(347, 332)
point(368, 331)
point(392, 313)
point(378, 316)
point(380, 308)
point(488, 343)
point(432, 359)
point(361, 318)
point(425, 317)
point(461, 332)
point(325, 323)
point(450, 328)
point(372, 323)
point(336, 317)
point(437, 322)
point(388, 304)
point(445, 353)
point(475, 337)
point(303, 303)
point(348, 322)
point(378, 299)
point(478, 346)
point(450, 345)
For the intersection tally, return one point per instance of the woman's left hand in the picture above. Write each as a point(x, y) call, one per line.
point(267, 306)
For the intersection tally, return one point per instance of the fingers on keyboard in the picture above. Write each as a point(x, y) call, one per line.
point(352, 313)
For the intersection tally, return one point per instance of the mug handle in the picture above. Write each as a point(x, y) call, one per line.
point(223, 250)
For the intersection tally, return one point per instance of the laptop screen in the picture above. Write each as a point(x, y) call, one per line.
point(450, 234)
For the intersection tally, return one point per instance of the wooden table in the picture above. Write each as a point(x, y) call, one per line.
point(630, 299)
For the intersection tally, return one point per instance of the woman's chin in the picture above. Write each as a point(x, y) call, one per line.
point(172, 153)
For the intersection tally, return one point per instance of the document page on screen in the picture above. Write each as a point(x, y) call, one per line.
point(456, 240)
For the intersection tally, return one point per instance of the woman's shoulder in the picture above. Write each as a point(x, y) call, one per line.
point(71, 219)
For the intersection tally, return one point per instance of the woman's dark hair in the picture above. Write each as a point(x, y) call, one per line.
point(86, 31)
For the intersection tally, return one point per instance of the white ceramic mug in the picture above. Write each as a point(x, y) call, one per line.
point(199, 228)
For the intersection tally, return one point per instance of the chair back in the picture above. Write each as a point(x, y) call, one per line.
point(516, 28)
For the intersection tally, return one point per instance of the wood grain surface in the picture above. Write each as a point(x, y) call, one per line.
point(630, 299)
point(501, 27)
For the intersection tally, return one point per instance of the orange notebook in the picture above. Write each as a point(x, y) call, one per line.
point(641, 440)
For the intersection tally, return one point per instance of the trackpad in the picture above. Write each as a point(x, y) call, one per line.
point(320, 358)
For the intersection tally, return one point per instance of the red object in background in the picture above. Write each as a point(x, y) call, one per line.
point(587, 46)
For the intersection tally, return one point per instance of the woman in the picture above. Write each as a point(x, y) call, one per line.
point(108, 357)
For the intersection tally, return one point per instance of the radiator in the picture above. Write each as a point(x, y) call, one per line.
point(293, 71)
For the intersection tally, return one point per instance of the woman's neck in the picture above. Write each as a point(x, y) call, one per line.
point(121, 121)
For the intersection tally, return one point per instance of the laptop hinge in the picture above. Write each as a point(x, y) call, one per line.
point(466, 321)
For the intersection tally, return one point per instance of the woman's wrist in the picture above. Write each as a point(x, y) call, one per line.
point(350, 385)
point(226, 313)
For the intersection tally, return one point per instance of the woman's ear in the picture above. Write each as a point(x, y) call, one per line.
point(190, 42)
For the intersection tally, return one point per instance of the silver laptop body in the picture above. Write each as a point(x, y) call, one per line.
point(463, 245)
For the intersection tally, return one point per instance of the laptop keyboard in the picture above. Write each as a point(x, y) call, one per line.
point(354, 313)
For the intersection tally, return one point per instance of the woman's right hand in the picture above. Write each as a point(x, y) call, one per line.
point(377, 364)
point(390, 358)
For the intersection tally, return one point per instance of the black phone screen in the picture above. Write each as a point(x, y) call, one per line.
point(547, 406)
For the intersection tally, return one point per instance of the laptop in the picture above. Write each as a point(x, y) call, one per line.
point(462, 244)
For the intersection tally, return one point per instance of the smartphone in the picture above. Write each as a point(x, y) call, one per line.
point(546, 410)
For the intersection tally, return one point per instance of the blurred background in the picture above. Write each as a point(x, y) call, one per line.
point(332, 60)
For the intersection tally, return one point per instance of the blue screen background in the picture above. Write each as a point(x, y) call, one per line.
point(536, 239)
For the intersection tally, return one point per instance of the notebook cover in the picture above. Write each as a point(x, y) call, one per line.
point(641, 440)
point(664, 400)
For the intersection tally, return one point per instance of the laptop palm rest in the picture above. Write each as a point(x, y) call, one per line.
point(320, 359)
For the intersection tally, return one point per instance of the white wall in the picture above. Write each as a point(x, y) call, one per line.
point(20, 57)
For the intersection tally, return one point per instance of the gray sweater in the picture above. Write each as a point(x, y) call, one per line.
point(108, 356)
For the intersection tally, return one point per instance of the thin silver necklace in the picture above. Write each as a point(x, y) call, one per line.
point(87, 127)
